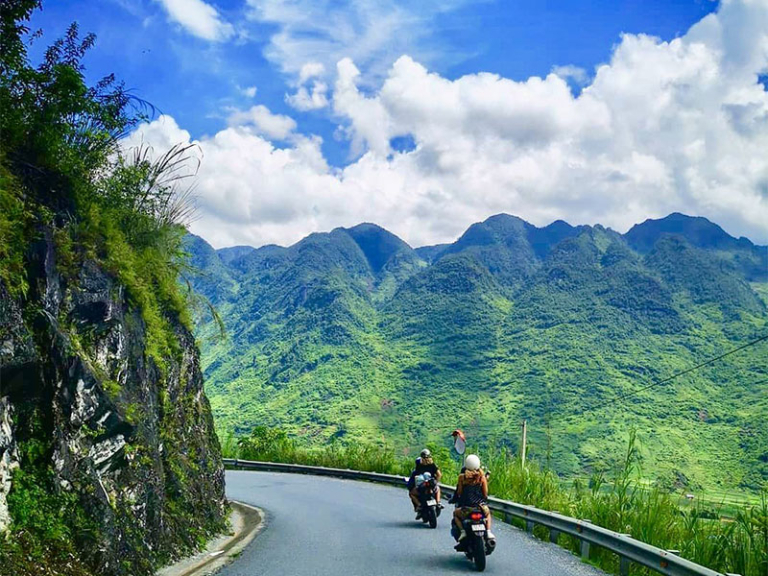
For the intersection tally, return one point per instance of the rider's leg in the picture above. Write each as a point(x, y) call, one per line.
point(457, 519)
point(414, 499)
point(487, 512)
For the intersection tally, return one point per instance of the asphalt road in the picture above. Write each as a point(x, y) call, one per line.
point(322, 526)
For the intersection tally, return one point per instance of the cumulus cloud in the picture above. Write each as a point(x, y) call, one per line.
point(311, 70)
point(264, 122)
point(161, 134)
point(199, 19)
point(575, 73)
point(662, 127)
point(305, 99)
point(309, 97)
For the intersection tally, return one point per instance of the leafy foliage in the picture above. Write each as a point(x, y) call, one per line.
point(61, 166)
point(64, 177)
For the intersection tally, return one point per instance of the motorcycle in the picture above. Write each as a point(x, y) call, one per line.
point(430, 506)
point(476, 545)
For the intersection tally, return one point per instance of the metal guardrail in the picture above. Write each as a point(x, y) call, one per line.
point(627, 548)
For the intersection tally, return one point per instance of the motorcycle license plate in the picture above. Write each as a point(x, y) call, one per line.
point(431, 502)
point(478, 528)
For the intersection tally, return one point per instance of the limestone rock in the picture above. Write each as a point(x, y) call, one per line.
point(132, 440)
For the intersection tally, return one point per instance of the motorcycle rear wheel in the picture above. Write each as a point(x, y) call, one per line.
point(432, 517)
point(478, 553)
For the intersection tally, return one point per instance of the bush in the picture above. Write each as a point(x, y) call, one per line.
point(62, 167)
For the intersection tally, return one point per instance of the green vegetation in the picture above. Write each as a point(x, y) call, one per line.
point(61, 168)
point(68, 187)
point(352, 335)
point(49, 527)
point(615, 500)
point(14, 220)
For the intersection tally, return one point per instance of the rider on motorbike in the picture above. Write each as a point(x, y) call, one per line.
point(423, 464)
point(471, 492)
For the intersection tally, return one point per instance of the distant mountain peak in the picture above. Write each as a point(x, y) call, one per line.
point(378, 244)
point(503, 217)
point(232, 253)
point(752, 260)
point(368, 227)
point(695, 229)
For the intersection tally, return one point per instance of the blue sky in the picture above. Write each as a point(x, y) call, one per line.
point(427, 116)
point(193, 79)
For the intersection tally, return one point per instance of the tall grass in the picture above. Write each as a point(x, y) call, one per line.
point(617, 502)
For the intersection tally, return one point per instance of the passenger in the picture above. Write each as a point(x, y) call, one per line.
point(424, 463)
point(471, 492)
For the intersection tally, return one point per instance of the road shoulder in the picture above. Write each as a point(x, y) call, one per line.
point(246, 521)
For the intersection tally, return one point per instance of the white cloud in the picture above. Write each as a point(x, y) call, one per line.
point(575, 73)
point(161, 134)
point(310, 70)
point(664, 126)
point(273, 126)
point(248, 91)
point(371, 32)
point(368, 117)
point(199, 19)
point(309, 99)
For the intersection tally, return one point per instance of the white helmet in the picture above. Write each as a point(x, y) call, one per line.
point(472, 462)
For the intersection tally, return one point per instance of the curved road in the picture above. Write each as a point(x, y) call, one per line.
point(323, 526)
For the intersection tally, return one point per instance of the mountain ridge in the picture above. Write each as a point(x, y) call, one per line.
point(674, 216)
point(353, 332)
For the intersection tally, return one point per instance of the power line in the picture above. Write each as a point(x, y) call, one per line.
point(489, 426)
point(686, 371)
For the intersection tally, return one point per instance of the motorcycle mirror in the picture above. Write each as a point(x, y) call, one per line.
point(459, 442)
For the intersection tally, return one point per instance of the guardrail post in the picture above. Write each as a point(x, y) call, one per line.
point(553, 535)
point(584, 543)
point(584, 550)
point(624, 566)
point(529, 524)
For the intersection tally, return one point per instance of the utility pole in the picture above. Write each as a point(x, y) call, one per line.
point(523, 444)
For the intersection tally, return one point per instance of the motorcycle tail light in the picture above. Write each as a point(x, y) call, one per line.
point(476, 516)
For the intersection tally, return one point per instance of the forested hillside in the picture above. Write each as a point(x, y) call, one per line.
point(352, 334)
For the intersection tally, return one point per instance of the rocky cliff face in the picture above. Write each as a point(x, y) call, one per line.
point(118, 446)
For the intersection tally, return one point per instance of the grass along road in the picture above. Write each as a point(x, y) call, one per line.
point(617, 501)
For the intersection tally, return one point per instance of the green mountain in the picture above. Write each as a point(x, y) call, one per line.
point(354, 334)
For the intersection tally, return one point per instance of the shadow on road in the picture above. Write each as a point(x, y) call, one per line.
point(451, 562)
point(403, 524)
